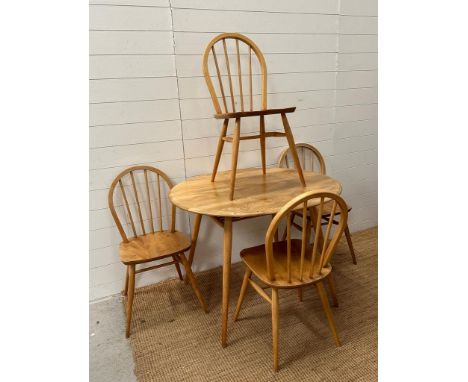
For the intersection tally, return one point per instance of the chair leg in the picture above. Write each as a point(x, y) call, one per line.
point(235, 153)
point(193, 281)
point(332, 287)
point(242, 293)
point(178, 267)
point(262, 143)
point(219, 149)
point(125, 290)
point(131, 290)
point(299, 293)
point(292, 147)
point(328, 312)
point(275, 326)
point(350, 244)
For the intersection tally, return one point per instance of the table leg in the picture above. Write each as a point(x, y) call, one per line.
point(196, 229)
point(226, 278)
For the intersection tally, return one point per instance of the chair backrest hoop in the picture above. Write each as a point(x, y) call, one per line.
point(311, 150)
point(139, 201)
point(211, 51)
point(321, 256)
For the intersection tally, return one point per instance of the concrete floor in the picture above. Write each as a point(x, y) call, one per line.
point(110, 355)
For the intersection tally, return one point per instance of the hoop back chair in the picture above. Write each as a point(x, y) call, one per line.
point(312, 160)
point(242, 93)
point(140, 214)
point(293, 263)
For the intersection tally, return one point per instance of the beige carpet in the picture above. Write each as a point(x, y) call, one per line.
point(173, 340)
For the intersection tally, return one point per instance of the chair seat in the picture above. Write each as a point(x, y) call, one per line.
point(255, 259)
point(153, 246)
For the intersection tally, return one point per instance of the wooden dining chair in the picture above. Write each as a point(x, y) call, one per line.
point(293, 263)
point(140, 207)
point(312, 160)
point(230, 101)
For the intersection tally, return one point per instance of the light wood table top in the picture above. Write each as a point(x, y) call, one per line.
point(256, 194)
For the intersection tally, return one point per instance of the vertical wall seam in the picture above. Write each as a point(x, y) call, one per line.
point(178, 99)
point(336, 73)
point(177, 84)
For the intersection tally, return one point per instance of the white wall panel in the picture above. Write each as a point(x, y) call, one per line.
point(353, 144)
point(358, 43)
point(131, 112)
point(195, 87)
point(130, 42)
point(371, 156)
point(100, 179)
point(191, 20)
point(188, 66)
point(347, 160)
point(356, 96)
point(109, 17)
point(356, 112)
point(133, 133)
point(132, 89)
point(269, 43)
point(121, 66)
point(358, 7)
point(207, 146)
point(149, 3)
point(292, 6)
point(119, 155)
point(357, 61)
point(314, 133)
point(354, 129)
point(204, 164)
point(356, 79)
point(150, 105)
point(134, 117)
point(358, 25)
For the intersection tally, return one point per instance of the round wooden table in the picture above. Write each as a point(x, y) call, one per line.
point(256, 194)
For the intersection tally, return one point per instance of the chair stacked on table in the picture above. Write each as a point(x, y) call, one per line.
point(217, 59)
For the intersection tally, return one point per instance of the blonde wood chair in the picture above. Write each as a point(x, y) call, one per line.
point(312, 160)
point(142, 210)
point(293, 263)
point(236, 92)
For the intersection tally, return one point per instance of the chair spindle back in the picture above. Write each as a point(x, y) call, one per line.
point(227, 60)
point(309, 157)
point(324, 244)
point(139, 204)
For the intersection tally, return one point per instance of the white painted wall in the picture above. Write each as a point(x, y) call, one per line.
point(149, 104)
